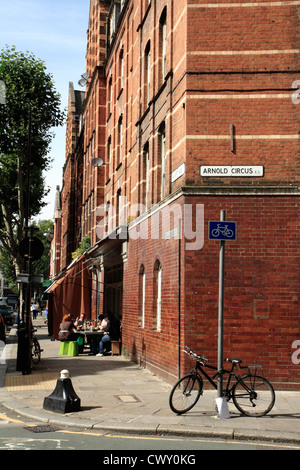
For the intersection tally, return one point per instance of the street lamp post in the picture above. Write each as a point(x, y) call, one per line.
point(24, 333)
point(26, 369)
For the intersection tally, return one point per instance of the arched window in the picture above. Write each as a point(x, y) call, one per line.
point(120, 209)
point(145, 177)
point(110, 92)
point(163, 45)
point(157, 278)
point(142, 296)
point(120, 139)
point(121, 69)
point(109, 157)
point(147, 73)
point(161, 161)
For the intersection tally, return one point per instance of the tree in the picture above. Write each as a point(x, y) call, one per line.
point(30, 92)
point(41, 266)
point(8, 270)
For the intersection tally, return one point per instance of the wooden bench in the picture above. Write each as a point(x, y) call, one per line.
point(116, 347)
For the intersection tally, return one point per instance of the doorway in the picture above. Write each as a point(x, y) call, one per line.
point(113, 290)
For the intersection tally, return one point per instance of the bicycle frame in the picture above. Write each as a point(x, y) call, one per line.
point(227, 391)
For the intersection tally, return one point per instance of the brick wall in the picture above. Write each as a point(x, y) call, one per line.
point(261, 296)
point(262, 281)
point(70, 203)
point(227, 64)
point(94, 140)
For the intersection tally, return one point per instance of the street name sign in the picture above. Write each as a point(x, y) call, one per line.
point(232, 171)
point(178, 172)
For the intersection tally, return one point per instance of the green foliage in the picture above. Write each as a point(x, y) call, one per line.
point(84, 245)
point(28, 85)
point(29, 91)
point(40, 266)
point(8, 270)
point(27, 82)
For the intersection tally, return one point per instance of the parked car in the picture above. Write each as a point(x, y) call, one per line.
point(12, 301)
point(7, 314)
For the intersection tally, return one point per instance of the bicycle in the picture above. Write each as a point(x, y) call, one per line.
point(252, 394)
point(36, 349)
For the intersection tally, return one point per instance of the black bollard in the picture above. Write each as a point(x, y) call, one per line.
point(63, 399)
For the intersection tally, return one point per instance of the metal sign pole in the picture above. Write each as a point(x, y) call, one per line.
point(221, 309)
point(221, 230)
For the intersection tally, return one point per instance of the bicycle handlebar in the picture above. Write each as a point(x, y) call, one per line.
point(196, 356)
point(191, 353)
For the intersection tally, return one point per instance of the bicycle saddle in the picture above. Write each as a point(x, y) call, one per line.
point(234, 361)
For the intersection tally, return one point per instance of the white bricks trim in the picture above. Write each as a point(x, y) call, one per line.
point(244, 4)
point(262, 52)
point(241, 96)
point(245, 137)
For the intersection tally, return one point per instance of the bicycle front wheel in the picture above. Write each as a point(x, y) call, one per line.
point(253, 396)
point(36, 353)
point(185, 393)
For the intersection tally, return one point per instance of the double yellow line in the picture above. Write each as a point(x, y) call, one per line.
point(84, 433)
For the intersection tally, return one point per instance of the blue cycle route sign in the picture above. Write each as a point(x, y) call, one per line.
point(222, 230)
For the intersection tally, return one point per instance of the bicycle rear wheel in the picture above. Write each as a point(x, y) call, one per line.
point(253, 395)
point(185, 393)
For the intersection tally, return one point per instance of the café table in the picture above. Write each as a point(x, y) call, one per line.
point(92, 337)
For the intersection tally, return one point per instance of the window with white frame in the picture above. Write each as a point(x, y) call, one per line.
point(142, 296)
point(162, 158)
point(110, 97)
point(120, 138)
point(163, 44)
point(120, 208)
point(157, 291)
point(147, 73)
point(109, 157)
point(147, 174)
point(114, 15)
point(121, 68)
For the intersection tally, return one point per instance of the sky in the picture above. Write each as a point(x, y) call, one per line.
point(55, 32)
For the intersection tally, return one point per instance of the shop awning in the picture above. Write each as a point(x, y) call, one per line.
point(71, 293)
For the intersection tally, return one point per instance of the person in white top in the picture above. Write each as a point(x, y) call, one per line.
point(104, 322)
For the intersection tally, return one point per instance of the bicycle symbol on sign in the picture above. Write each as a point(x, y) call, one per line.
point(222, 230)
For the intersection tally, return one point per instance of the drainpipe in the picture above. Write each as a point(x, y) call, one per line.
point(179, 297)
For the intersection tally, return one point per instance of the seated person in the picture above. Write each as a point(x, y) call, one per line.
point(104, 322)
point(111, 332)
point(79, 321)
point(100, 318)
point(67, 330)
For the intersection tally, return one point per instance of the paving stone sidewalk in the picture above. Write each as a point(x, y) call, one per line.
point(118, 395)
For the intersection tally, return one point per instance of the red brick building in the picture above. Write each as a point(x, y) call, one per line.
point(190, 108)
